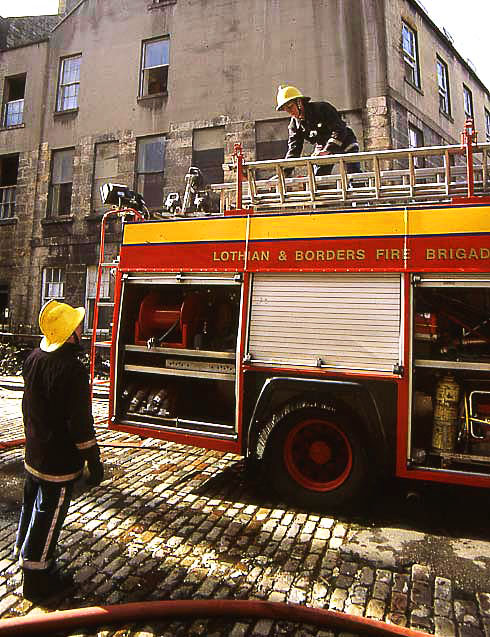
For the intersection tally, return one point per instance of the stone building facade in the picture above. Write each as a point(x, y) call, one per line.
point(135, 92)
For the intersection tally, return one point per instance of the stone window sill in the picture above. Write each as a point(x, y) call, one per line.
point(447, 116)
point(414, 86)
point(16, 127)
point(70, 111)
point(49, 221)
point(160, 5)
point(143, 98)
point(9, 221)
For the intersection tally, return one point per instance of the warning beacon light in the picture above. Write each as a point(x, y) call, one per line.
point(121, 196)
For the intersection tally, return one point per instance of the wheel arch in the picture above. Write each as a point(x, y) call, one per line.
point(350, 396)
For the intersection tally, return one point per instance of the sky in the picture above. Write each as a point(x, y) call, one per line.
point(467, 22)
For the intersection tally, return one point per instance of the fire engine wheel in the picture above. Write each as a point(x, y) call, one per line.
point(314, 457)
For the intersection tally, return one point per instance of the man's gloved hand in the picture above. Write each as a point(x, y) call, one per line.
point(95, 473)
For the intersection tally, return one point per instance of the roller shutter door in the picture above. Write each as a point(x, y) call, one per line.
point(339, 320)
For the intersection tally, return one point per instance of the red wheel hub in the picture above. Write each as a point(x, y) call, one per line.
point(318, 455)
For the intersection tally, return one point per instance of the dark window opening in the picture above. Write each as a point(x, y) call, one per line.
point(208, 153)
point(150, 170)
point(271, 142)
point(4, 306)
point(60, 188)
point(9, 168)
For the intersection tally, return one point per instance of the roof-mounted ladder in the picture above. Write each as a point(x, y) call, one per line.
point(390, 177)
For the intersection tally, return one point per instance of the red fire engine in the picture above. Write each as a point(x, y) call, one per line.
point(331, 329)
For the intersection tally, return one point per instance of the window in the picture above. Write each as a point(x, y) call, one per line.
point(59, 198)
point(53, 285)
point(154, 67)
point(416, 140)
point(105, 312)
point(443, 85)
point(13, 109)
point(105, 170)
point(4, 306)
point(410, 55)
point(9, 167)
point(208, 153)
point(271, 142)
point(487, 125)
point(69, 83)
point(150, 170)
point(468, 102)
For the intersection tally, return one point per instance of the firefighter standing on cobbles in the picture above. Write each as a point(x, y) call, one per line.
point(318, 123)
point(60, 437)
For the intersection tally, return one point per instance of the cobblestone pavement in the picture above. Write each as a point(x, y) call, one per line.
point(173, 522)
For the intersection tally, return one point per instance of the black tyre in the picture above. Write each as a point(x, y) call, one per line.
point(314, 457)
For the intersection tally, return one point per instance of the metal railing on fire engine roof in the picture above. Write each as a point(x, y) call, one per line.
point(388, 177)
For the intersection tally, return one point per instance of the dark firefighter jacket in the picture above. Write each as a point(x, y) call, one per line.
point(57, 412)
point(324, 128)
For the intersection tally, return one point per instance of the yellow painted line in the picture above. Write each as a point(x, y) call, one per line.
point(434, 221)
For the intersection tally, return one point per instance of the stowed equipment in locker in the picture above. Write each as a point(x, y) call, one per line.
point(176, 363)
point(451, 342)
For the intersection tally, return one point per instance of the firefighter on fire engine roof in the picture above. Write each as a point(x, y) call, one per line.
point(318, 123)
point(60, 437)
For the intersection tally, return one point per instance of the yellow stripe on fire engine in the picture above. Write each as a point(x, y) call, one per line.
point(378, 223)
point(186, 231)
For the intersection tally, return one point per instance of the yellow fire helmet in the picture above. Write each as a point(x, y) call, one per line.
point(58, 321)
point(287, 93)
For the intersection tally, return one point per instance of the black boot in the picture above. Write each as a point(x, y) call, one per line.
point(40, 586)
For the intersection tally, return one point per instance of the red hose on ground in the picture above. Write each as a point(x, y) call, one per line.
point(8, 444)
point(145, 611)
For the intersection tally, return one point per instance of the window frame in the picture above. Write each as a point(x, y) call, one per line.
point(467, 92)
point(487, 124)
point(96, 204)
point(444, 93)
point(142, 173)
point(143, 68)
point(214, 167)
point(61, 278)
point(418, 162)
point(50, 211)
point(91, 292)
point(7, 101)
point(411, 59)
point(62, 85)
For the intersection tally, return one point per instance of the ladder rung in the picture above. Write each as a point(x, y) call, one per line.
point(105, 304)
point(112, 264)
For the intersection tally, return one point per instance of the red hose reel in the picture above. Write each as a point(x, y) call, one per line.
point(179, 322)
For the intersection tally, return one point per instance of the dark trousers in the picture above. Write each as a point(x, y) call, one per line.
point(44, 510)
point(352, 167)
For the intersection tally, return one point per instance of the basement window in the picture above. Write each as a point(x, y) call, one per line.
point(13, 108)
point(154, 67)
point(53, 285)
